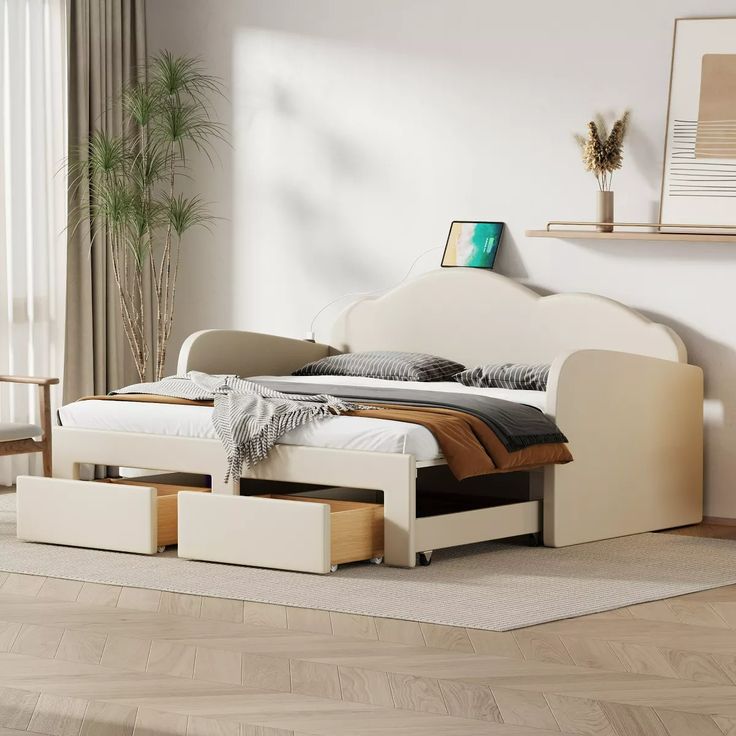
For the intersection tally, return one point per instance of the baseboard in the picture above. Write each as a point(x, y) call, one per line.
point(719, 520)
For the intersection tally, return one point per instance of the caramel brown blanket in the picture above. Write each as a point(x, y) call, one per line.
point(469, 446)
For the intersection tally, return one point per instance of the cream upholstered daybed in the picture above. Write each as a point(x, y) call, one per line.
point(620, 388)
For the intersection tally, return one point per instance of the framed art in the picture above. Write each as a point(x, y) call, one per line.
point(699, 173)
point(472, 244)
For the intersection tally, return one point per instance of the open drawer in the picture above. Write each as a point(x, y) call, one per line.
point(125, 516)
point(283, 532)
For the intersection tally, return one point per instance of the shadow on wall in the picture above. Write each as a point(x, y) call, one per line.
point(646, 156)
point(304, 192)
point(509, 261)
point(667, 251)
point(205, 287)
point(322, 237)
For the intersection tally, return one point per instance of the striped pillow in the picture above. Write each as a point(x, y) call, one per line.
point(506, 375)
point(384, 364)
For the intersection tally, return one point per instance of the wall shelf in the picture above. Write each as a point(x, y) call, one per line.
point(631, 235)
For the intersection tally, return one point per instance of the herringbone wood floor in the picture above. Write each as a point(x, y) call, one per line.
point(85, 659)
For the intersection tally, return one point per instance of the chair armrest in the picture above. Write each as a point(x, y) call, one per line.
point(246, 353)
point(38, 381)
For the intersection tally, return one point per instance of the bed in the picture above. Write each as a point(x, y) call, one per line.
point(620, 388)
point(337, 433)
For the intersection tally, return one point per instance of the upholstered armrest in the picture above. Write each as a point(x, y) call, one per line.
point(246, 353)
point(620, 382)
point(38, 381)
point(635, 426)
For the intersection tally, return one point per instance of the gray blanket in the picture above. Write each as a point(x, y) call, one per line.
point(516, 425)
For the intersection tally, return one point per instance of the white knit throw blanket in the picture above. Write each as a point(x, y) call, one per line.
point(248, 418)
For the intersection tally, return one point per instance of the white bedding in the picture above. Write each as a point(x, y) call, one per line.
point(341, 432)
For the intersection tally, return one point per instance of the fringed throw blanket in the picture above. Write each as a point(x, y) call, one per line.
point(248, 418)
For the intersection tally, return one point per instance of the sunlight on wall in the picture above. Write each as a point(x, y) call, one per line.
point(332, 168)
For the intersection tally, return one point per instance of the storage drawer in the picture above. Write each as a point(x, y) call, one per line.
point(167, 518)
point(284, 532)
point(121, 516)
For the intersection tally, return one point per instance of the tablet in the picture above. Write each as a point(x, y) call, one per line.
point(472, 244)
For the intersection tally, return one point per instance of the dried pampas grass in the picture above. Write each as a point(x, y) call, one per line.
point(603, 152)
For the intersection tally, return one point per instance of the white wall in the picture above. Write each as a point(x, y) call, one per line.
point(360, 128)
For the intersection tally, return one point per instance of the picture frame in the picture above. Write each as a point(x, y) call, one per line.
point(698, 188)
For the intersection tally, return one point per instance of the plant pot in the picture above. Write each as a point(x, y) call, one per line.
point(604, 211)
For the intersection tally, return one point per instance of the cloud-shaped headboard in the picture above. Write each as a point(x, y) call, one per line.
point(477, 317)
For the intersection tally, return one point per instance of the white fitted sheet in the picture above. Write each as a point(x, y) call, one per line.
point(340, 432)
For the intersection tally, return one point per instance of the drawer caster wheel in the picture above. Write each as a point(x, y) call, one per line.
point(534, 540)
point(424, 558)
point(333, 568)
point(161, 549)
point(376, 560)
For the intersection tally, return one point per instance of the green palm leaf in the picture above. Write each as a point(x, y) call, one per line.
point(187, 212)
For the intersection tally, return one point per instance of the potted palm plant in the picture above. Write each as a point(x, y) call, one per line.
point(602, 155)
point(137, 208)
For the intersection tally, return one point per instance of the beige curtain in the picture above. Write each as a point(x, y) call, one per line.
point(33, 194)
point(107, 49)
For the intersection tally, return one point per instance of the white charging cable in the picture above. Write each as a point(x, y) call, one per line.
point(310, 334)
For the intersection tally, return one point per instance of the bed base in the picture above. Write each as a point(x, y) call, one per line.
point(394, 475)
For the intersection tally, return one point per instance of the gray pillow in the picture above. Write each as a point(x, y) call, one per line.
point(506, 375)
point(394, 366)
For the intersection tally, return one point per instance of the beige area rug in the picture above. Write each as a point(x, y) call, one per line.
point(492, 586)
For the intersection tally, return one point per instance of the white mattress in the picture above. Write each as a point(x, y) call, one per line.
point(340, 432)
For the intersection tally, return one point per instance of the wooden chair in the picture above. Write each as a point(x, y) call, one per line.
point(17, 439)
